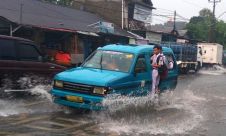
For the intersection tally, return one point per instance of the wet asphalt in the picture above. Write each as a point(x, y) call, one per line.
point(196, 107)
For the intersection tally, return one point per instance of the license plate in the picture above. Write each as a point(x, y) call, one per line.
point(74, 99)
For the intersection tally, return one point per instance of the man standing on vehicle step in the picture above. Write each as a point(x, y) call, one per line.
point(156, 62)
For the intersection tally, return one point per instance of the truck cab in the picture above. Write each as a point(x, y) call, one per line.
point(112, 69)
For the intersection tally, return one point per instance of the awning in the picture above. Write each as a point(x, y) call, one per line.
point(87, 33)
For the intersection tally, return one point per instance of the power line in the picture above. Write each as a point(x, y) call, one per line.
point(144, 13)
point(164, 12)
point(221, 14)
point(160, 20)
point(182, 18)
point(69, 18)
point(165, 9)
point(165, 16)
point(193, 4)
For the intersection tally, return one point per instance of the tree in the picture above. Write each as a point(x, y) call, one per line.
point(199, 26)
point(205, 13)
point(221, 32)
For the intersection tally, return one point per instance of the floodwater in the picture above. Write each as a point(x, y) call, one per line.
point(196, 107)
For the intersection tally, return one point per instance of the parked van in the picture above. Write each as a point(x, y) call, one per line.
point(112, 69)
point(20, 56)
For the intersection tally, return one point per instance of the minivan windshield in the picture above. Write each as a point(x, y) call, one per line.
point(110, 60)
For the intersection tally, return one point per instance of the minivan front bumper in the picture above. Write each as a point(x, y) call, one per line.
point(89, 102)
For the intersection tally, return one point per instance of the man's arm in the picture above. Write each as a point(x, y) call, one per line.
point(159, 63)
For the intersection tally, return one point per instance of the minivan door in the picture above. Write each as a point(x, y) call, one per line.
point(142, 77)
point(8, 57)
point(31, 60)
point(171, 80)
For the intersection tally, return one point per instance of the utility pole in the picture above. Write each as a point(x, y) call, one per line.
point(13, 30)
point(21, 13)
point(174, 20)
point(212, 32)
point(122, 14)
point(174, 31)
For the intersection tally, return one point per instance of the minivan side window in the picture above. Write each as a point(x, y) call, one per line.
point(28, 52)
point(141, 65)
point(170, 61)
point(7, 50)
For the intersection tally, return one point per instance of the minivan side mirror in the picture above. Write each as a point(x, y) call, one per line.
point(40, 58)
point(45, 58)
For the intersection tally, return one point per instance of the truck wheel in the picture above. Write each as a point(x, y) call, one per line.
point(196, 68)
point(183, 70)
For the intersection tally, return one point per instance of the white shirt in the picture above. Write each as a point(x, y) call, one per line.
point(154, 59)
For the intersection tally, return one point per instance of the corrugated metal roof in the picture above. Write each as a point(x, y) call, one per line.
point(46, 15)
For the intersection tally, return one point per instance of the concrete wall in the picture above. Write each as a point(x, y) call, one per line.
point(110, 10)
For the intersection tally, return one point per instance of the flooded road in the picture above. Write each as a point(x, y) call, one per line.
point(196, 107)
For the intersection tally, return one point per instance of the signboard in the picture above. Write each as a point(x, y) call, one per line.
point(138, 41)
point(154, 37)
point(142, 13)
point(141, 42)
point(106, 27)
point(182, 41)
point(132, 41)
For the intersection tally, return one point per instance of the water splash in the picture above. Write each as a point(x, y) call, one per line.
point(31, 81)
point(8, 108)
point(34, 97)
point(42, 91)
point(136, 116)
point(214, 70)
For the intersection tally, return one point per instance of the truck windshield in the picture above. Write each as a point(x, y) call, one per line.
point(110, 60)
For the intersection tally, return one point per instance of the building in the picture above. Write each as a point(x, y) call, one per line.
point(129, 14)
point(55, 27)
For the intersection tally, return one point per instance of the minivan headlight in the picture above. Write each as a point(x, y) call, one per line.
point(99, 90)
point(58, 83)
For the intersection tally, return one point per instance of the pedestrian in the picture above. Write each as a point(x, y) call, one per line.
point(157, 62)
point(63, 57)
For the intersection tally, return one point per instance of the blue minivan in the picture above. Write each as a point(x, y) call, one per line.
point(112, 69)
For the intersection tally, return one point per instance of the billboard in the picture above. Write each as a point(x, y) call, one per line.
point(142, 13)
point(106, 27)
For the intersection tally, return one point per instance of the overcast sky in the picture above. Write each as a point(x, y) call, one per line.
point(185, 8)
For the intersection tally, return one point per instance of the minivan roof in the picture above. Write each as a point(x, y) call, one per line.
point(15, 38)
point(133, 48)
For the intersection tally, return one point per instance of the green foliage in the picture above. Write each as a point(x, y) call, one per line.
point(199, 26)
point(205, 13)
point(221, 32)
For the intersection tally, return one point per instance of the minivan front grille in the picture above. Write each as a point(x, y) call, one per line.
point(77, 87)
